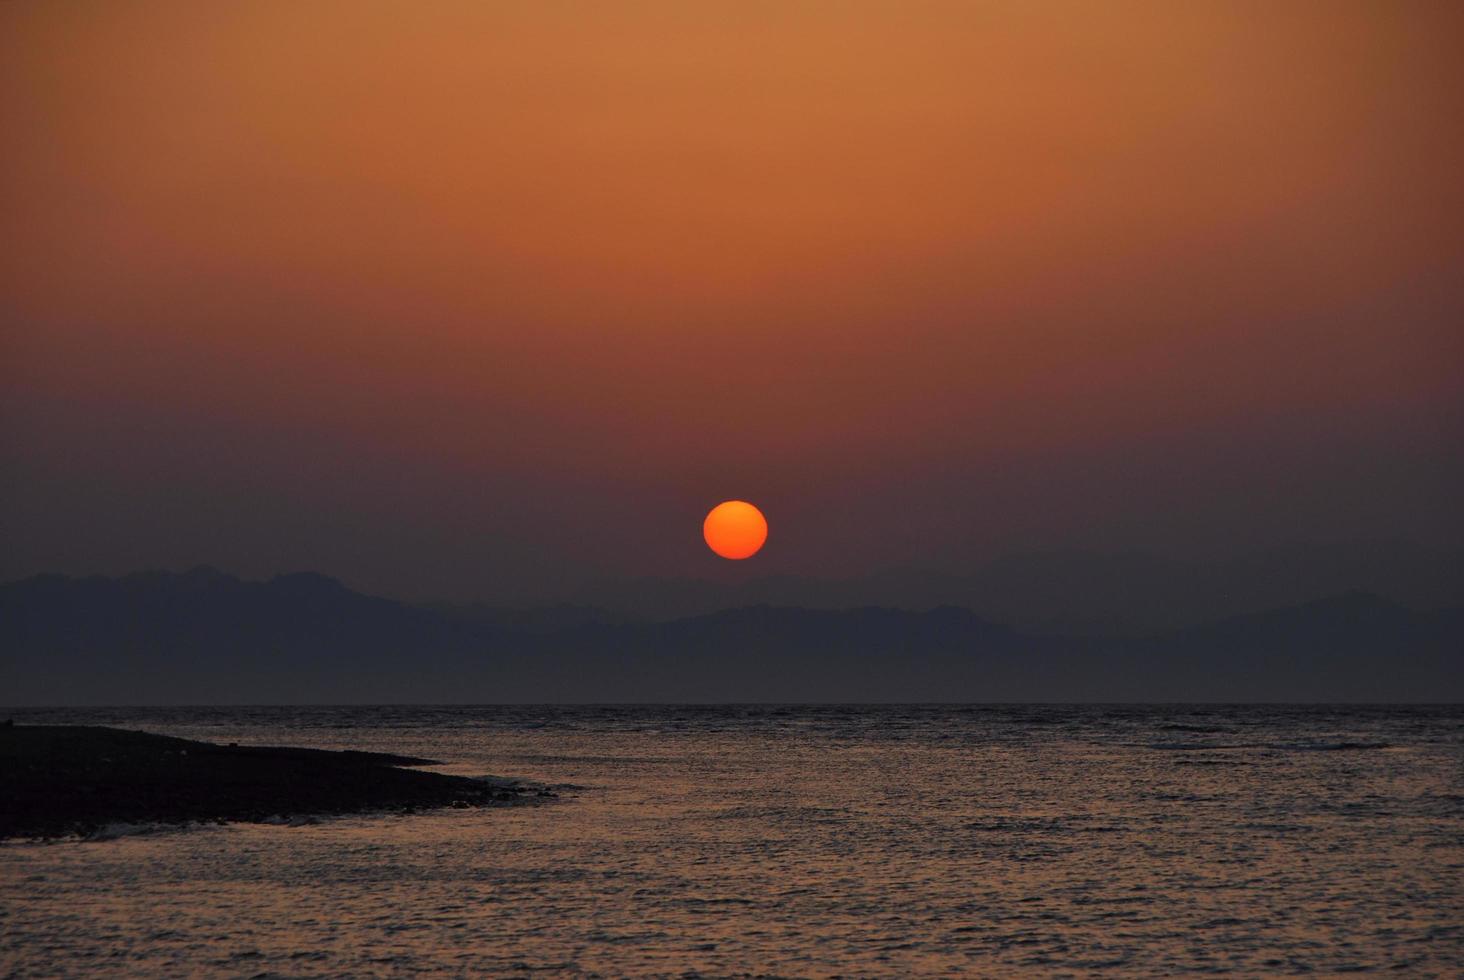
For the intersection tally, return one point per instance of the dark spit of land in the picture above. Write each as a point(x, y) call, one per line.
point(60, 780)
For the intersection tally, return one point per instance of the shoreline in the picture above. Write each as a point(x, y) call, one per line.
point(70, 780)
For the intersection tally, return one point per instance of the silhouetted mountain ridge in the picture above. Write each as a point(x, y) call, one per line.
point(205, 636)
point(528, 619)
point(1071, 591)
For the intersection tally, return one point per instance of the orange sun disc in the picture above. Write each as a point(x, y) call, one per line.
point(735, 529)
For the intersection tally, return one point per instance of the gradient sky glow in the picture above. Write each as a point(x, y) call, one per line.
point(474, 300)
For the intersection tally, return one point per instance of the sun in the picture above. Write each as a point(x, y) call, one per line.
point(735, 529)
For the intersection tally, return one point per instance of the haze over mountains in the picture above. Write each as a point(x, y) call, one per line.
point(1117, 593)
point(207, 637)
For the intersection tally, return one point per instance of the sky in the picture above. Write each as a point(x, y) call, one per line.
point(481, 300)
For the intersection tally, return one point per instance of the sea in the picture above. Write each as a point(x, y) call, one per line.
point(788, 840)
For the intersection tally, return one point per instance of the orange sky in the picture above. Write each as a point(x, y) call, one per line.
point(451, 295)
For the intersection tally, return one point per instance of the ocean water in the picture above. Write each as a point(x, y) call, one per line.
point(798, 841)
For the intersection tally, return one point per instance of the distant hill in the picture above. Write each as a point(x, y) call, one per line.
point(206, 637)
point(548, 618)
point(1108, 593)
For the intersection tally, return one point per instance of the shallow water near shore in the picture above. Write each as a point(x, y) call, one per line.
point(860, 840)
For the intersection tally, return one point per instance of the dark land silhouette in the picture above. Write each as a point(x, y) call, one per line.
point(1111, 593)
point(205, 637)
point(59, 780)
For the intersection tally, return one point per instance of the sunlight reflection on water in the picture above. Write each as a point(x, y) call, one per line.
point(798, 841)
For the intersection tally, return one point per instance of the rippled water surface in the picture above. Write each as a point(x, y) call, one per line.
point(798, 841)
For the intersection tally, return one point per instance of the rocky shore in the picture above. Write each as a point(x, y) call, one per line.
point(63, 780)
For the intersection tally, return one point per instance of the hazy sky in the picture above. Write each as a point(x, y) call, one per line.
point(471, 299)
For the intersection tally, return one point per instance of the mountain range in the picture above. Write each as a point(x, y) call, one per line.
point(1076, 591)
point(206, 637)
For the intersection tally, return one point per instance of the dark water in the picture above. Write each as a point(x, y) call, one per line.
point(996, 840)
